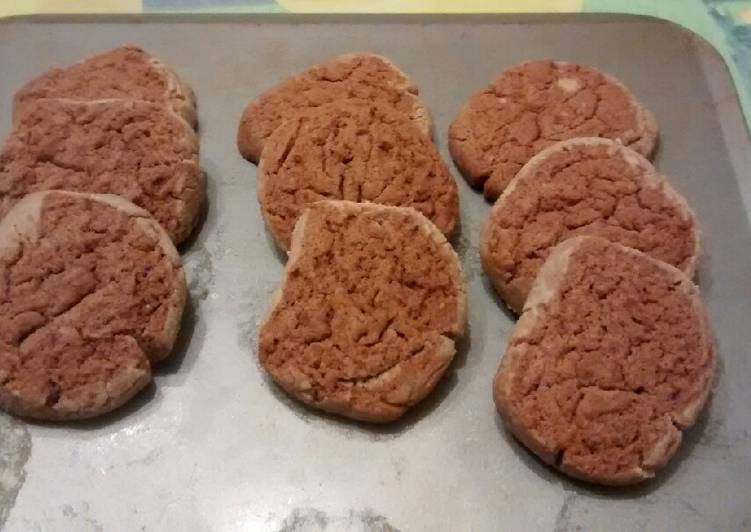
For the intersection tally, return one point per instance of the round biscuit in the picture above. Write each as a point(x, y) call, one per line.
point(91, 294)
point(355, 151)
point(363, 325)
point(583, 186)
point(532, 105)
point(363, 76)
point(611, 359)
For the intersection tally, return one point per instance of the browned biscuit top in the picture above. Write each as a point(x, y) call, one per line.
point(365, 322)
point(583, 187)
point(366, 77)
point(90, 292)
point(124, 72)
point(533, 105)
point(611, 357)
point(138, 150)
point(357, 151)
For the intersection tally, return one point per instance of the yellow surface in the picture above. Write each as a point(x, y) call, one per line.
point(22, 7)
point(429, 6)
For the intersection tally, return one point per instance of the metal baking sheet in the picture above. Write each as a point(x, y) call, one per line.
point(215, 446)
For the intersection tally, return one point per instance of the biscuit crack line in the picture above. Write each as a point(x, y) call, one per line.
point(367, 380)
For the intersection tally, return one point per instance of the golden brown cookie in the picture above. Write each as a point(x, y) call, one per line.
point(363, 76)
point(535, 104)
point(124, 72)
point(91, 293)
point(610, 361)
point(365, 321)
point(138, 150)
point(585, 186)
point(356, 151)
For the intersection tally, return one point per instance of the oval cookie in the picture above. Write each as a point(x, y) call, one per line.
point(356, 151)
point(535, 104)
point(138, 150)
point(127, 71)
point(610, 361)
point(365, 321)
point(91, 293)
point(363, 76)
point(581, 186)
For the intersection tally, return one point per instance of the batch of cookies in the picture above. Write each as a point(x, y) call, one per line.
point(611, 358)
point(612, 355)
point(99, 182)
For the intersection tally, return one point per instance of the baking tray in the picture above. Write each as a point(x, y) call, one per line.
point(214, 445)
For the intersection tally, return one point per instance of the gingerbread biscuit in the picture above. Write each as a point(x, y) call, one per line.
point(139, 150)
point(356, 151)
point(535, 104)
point(610, 361)
point(124, 72)
point(363, 76)
point(589, 186)
point(365, 321)
point(91, 293)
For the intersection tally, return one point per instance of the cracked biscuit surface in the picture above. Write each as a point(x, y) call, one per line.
point(91, 294)
point(138, 150)
point(356, 151)
point(532, 105)
point(362, 76)
point(611, 359)
point(586, 186)
point(127, 72)
point(365, 322)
